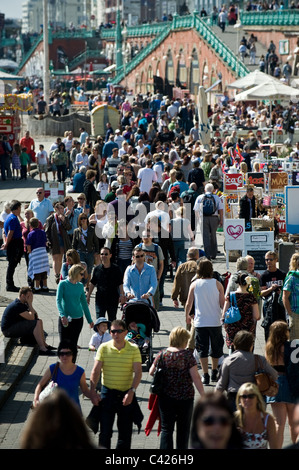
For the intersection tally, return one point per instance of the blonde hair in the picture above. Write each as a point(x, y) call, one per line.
point(74, 271)
point(179, 337)
point(294, 262)
point(248, 387)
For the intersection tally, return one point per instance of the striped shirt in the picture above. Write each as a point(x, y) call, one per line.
point(117, 365)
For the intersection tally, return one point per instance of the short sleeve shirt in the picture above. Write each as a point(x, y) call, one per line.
point(12, 223)
point(11, 314)
point(117, 365)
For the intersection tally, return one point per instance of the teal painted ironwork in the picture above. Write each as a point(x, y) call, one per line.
point(271, 18)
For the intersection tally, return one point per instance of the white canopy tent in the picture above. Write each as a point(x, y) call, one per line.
point(252, 79)
point(268, 91)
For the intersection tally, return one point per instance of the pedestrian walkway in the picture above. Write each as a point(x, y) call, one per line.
point(232, 37)
point(16, 408)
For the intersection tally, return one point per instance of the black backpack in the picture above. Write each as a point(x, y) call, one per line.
point(208, 205)
point(188, 197)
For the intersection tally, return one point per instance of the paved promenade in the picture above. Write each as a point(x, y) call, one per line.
point(15, 410)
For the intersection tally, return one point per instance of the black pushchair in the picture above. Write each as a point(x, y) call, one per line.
point(143, 312)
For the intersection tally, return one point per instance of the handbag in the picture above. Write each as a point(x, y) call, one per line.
point(232, 314)
point(157, 385)
point(266, 385)
point(49, 389)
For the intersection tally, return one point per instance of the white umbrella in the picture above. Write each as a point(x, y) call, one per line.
point(252, 79)
point(203, 121)
point(268, 91)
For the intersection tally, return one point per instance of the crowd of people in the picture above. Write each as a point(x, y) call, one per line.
point(128, 219)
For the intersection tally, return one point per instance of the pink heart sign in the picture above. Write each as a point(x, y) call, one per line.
point(236, 231)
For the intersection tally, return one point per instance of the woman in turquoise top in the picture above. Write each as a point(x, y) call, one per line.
point(69, 376)
point(71, 303)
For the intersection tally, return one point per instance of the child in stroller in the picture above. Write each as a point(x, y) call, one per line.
point(137, 334)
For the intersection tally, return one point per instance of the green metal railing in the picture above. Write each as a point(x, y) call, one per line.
point(29, 53)
point(85, 55)
point(187, 22)
point(271, 18)
point(136, 31)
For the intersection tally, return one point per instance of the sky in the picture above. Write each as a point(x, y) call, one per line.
point(11, 8)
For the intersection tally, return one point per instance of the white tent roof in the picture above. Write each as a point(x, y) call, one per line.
point(268, 91)
point(9, 76)
point(252, 79)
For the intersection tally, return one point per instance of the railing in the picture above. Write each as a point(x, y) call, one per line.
point(135, 31)
point(141, 55)
point(271, 18)
point(31, 50)
point(180, 22)
point(88, 54)
point(80, 34)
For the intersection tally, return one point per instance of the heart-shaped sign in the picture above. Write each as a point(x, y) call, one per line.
point(235, 231)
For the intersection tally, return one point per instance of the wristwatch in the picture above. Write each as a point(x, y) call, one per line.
point(133, 389)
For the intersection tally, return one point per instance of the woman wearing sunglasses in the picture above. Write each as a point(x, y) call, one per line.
point(69, 376)
point(256, 426)
point(71, 303)
point(213, 424)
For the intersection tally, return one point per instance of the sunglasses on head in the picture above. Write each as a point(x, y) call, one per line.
point(211, 420)
point(116, 331)
point(65, 353)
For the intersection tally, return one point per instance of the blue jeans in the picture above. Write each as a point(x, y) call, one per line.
point(180, 252)
point(112, 405)
point(87, 258)
point(175, 411)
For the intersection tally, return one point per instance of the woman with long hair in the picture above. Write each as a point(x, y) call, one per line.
point(248, 307)
point(284, 402)
point(256, 426)
point(290, 296)
point(86, 243)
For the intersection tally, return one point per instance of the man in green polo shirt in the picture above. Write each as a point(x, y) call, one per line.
point(120, 364)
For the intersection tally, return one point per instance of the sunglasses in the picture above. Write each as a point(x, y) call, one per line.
point(269, 259)
point(65, 353)
point(211, 420)
point(83, 218)
point(39, 192)
point(104, 254)
point(139, 256)
point(81, 274)
point(116, 331)
point(249, 395)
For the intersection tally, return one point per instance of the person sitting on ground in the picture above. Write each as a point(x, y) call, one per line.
point(137, 334)
point(20, 320)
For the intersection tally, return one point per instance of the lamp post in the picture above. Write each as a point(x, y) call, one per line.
point(118, 40)
point(238, 26)
point(125, 35)
point(46, 72)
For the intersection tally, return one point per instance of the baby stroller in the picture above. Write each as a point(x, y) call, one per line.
point(143, 312)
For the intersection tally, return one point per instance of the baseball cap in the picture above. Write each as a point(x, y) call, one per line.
point(114, 184)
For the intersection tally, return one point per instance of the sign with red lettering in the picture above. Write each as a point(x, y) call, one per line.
point(257, 179)
point(282, 228)
point(232, 181)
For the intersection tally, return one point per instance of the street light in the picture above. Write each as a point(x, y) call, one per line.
point(238, 26)
point(125, 35)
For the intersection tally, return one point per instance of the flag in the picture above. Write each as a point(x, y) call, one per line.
point(238, 152)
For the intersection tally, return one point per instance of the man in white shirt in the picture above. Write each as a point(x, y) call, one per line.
point(172, 111)
point(208, 209)
point(83, 135)
point(140, 148)
point(146, 176)
point(118, 139)
point(158, 168)
point(42, 162)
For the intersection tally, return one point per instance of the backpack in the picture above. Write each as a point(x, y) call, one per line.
point(208, 205)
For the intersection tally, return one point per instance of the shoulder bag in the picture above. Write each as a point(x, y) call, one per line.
point(266, 385)
point(232, 315)
point(49, 389)
point(158, 383)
